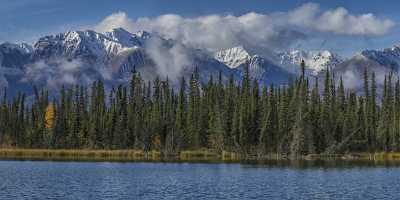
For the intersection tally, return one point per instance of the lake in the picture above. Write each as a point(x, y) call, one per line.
point(105, 180)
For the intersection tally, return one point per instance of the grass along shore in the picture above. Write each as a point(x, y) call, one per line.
point(193, 155)
point(114, 155)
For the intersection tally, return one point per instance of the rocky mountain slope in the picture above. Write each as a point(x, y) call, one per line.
point(316, 61)
point(84, 56)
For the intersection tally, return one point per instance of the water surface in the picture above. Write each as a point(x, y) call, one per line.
point(101, 180)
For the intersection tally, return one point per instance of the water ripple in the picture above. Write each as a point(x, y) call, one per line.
point(84, 180)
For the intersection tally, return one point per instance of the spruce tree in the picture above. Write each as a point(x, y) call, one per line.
point(182, 138)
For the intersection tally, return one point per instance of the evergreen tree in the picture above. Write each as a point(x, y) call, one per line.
point(182, 137)
point(193, 113)
point(293, 119)
point(268, 135)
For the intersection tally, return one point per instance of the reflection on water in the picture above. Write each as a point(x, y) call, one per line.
point(250, 180)
point(326, 163)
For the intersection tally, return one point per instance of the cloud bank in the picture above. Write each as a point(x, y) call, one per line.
point(60, 72)
point(273, 30)
point(170, 61)
point(338, 21)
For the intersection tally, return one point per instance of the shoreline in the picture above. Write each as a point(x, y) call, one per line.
point(184, 156)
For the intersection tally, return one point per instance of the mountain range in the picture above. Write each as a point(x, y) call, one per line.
point(84, 56)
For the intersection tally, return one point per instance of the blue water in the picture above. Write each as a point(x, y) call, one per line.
point(86, 180)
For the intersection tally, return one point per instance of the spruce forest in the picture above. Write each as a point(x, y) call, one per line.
point(296, 119)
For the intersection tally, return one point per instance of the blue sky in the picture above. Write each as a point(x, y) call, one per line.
point(26, 20)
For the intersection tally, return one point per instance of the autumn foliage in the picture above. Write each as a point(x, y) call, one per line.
point(49, 116)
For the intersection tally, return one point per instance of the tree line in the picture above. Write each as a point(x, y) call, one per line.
point(298, 118)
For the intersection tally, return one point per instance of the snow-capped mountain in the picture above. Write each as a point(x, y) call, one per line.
point(380, 62)
point(233, 57)
point(259, 67)
point(13, 55)
point(84, 56)
point(389, 57)
point(316, 61)
point(88, 45)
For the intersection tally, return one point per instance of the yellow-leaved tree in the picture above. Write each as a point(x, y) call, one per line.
point(49, 116)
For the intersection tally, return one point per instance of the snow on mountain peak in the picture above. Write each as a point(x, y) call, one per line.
point(112, 55)
point(315, 61)
point(233, 57)
point(120, 35)
point(26, 47)
point(389, 57)
point(143, 34)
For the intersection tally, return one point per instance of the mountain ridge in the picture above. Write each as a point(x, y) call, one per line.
point(76, 57)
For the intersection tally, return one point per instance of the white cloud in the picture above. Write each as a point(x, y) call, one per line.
point(169, 61)
point(338, 21)
point(59, 72)
point(351, 80)
point(6, 71)
point(209, 32)
point(115, 20)
point(274, 30)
